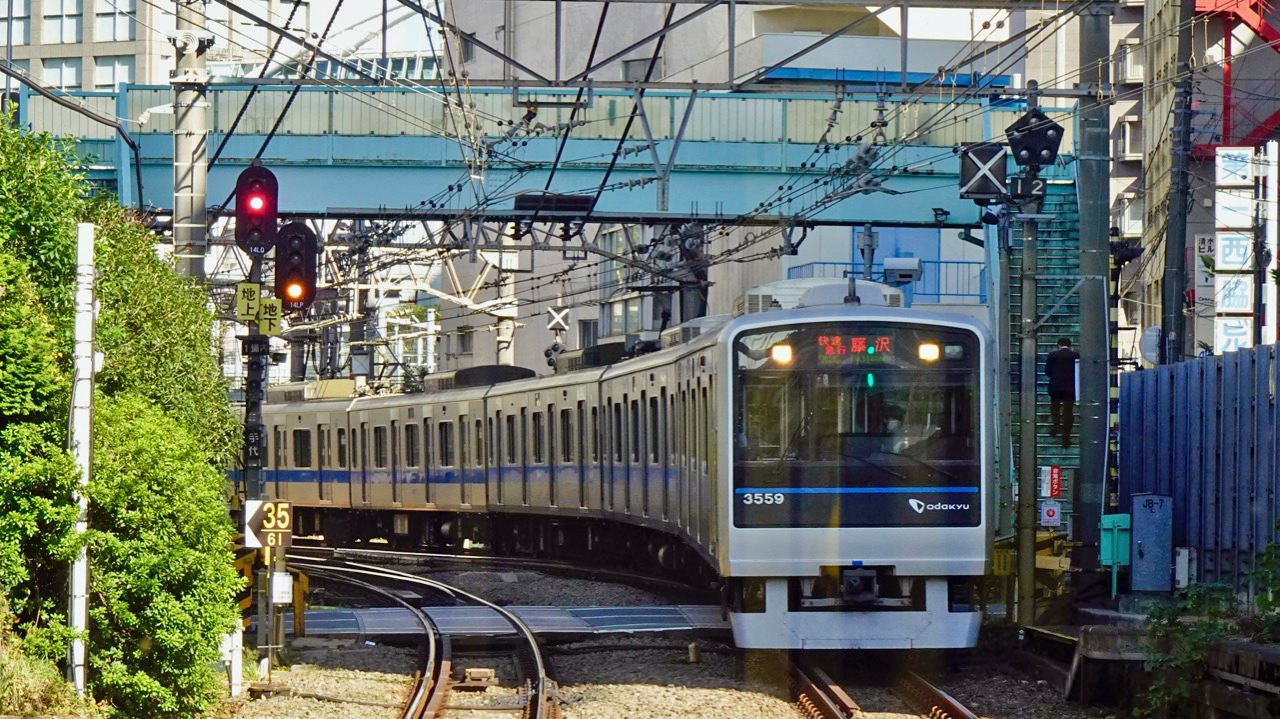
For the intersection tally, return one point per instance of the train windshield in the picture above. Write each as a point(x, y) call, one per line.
point(857, 425)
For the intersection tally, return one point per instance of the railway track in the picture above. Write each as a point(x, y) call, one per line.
point(428, 696)
point(818, 696)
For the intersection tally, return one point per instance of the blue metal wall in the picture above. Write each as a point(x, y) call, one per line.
point(1204, 431)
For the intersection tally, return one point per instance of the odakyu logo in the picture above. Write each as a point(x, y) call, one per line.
point(920, 507)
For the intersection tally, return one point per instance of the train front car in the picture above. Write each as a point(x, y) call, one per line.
point(858, 481)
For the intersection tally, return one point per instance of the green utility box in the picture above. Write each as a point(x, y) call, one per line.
point(1113, 550)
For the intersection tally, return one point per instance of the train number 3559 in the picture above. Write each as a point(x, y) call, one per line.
point(763, 498)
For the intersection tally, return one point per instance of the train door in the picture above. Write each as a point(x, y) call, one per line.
point(635, 448)
point(322, 462)
point(664, 454)
point(570, 439)
point(587, 441)
point(395, 462)
point(498, 443)
point(411, 476)
point(362, 456)
point(654, 490)
point(475, 489)
point(343, 461)
point(447, 490)
point(512, 467)
point(428, 456)
point(524, 455)
point(551, 454)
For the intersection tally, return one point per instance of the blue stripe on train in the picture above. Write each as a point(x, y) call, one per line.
point(857, 490)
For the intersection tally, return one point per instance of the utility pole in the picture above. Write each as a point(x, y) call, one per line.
point(1028, 456)
point(1261, 261)
point(506, 310)
point(8, 56)
point(1093, 181)
point(81, 442)
point(1175, 244)
point(190, 155)
point(868, 241)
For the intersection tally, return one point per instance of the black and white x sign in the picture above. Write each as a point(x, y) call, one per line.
point(559, 319)
point(982, 171)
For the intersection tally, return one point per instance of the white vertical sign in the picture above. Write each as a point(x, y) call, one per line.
point(1235, 201)
point(1271, 212)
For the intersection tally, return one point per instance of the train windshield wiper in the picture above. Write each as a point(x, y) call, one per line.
point(927, 465)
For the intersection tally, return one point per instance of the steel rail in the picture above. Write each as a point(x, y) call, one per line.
point(539, 701)
point(818, 696)
point(436, 662)
point(928, 699)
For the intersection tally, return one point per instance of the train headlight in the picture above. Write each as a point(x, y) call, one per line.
point(929, 352)
point(781, 353)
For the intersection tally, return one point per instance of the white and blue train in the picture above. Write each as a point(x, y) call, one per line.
point(828, 467)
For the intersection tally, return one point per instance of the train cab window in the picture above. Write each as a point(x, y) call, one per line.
point(479, 445)
point(511, 439)
point(566, 434)
point(537, 438)
point(635, 431)
point(464, 447)
point(302, 448)
point(411, 445)
point(655, 439)
point(379, 446)
point(342, 448)
point(446, 444)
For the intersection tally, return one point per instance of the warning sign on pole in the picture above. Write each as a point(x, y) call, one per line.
point(1050, 514)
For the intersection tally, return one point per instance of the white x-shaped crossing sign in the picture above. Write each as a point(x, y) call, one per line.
point(982, 171)
point(559, 319)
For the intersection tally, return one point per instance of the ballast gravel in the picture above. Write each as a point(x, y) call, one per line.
point(526, 588)
point(997, 692)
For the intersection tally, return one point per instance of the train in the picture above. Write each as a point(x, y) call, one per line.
point(827, 467)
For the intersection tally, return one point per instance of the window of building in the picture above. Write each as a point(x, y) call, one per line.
point(1132, 62)
point(466, 340)
point(588, 333)
point(109, 72)
point(468, 45)
point(1131, 138)
point(113, 20)
point(62, 22)
point(62, 72)
point(1131, 220)
point(302, 448)
point(21, 23)
point(634, 70)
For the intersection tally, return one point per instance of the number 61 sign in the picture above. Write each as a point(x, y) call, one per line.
point(267, 523)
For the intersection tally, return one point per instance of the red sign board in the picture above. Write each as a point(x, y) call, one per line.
point(1055, 480)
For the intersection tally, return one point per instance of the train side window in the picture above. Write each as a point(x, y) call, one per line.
point(411, 445)
point(302, 448)
point(537, 438)
point(706, 430)
point(655, 439)
point(379, 446)
point(342, 448)
point(595, 434)
point(495, 452)
point(479, 445)
point(617, 433)
point(464, 456)
point(446, 444)
point(566, 433)
point(511, 439)
point(635, 431)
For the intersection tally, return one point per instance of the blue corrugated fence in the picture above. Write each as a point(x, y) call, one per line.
point(1204, 431)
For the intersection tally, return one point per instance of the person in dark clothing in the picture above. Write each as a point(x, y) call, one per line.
point(1060, 368)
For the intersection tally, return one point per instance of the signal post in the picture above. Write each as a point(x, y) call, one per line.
point(268, 524)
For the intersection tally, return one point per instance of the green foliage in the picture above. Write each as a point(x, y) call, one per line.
point(1181, 634)
point(155, 332)
point(30, 685)
point(163, 584)
point(1266, 578)
point(40, 193)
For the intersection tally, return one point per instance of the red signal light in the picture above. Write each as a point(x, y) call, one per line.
point(257, 202)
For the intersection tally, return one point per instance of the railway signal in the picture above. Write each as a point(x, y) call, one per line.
point(1034, 138)
point(296, 252)
point(257, 210)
